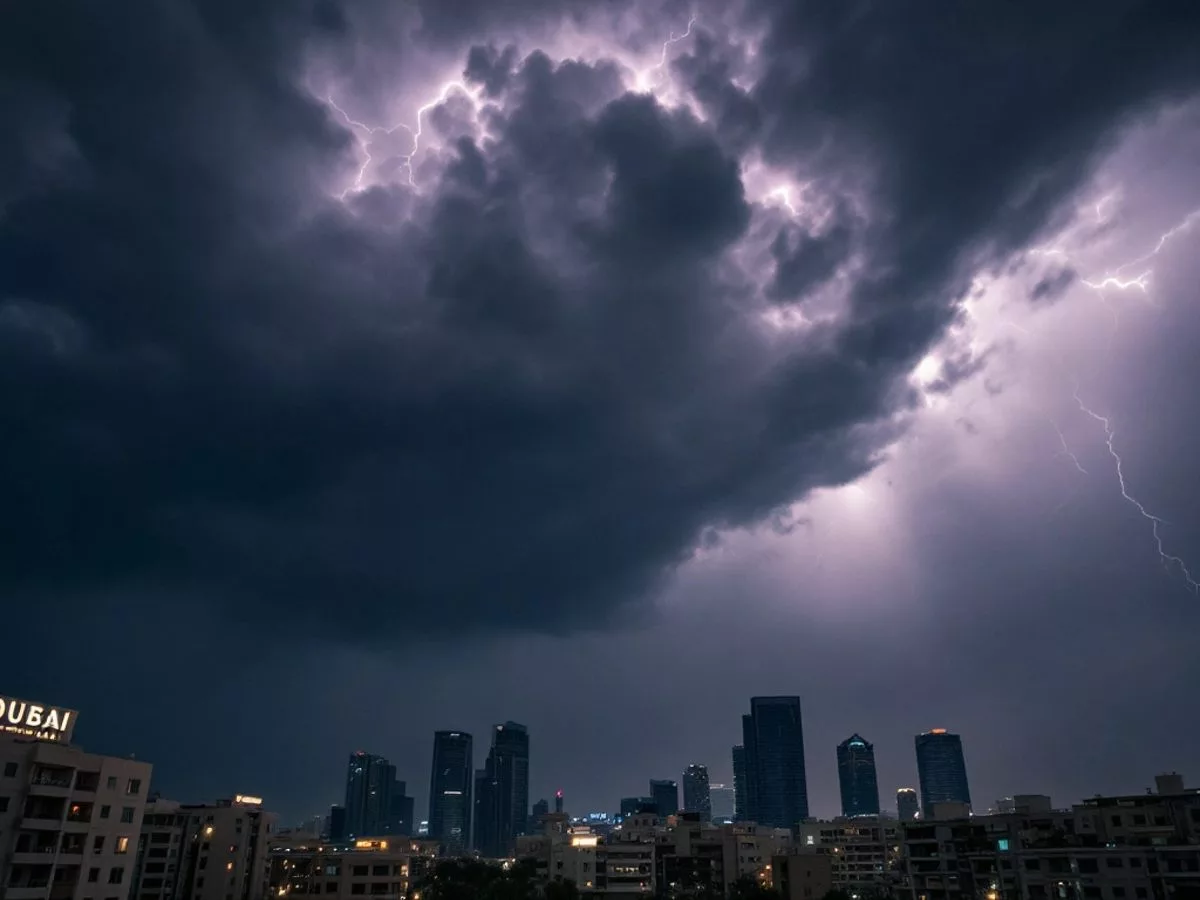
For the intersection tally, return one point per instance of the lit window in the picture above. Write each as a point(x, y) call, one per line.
point(122, 844)
point(1002, 845)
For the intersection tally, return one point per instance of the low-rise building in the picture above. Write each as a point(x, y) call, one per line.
point(864, 852)
point(1134, 847)
point(204, 852)
point(802, 876)
point(384, 868)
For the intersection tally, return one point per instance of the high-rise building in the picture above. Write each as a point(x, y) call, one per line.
point(696, 795)
point(450, 785)
point(558, 801)
point(906, 804)
point(400, 812)
point(776, 785)
point(723, 803)
point(665, 794)
point(856, 776)
point(739, 783)
point(337, 823)
point(941, 769)
point(502, 792)
point(370, 780)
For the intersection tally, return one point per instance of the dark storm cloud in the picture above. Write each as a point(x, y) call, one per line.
point(973, 123)
point(513, 401)
point(1052, 286)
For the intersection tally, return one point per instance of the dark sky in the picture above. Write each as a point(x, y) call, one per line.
point(674, 366)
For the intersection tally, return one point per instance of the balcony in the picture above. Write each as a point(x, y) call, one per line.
point(26, 892)
point(41, 821)
point(48, 782)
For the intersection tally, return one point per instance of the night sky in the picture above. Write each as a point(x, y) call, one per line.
point(790, 351)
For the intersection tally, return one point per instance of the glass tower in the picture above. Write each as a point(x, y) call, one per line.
point(773, 742)
point(450, 785)
point(941, 769)
point(856, 776)
point(696, 794)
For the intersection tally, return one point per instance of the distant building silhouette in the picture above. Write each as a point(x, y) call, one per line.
point(907, 806)
point(856, 777)
point(696, 792)
point(776, 784)
point(370, 780)
point(450, 789)
point(722, 797)
point(739, 783)
point(633, 805)
point(502, 792)
point(665, 794)
point(941, 768)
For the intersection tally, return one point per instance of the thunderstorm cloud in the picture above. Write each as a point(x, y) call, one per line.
point(257, 352)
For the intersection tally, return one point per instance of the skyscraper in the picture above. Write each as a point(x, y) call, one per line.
point(856, 775)
point(450, 785)
point(722, 802)
point(558, 801)
point(337, 823)
point(739, 783)
point(696, 796)
point(399, 819)
point(665, 794)
point(906, 804)
point(941, 769)
point(369, 783)
point(776, 786)
point(502, 792)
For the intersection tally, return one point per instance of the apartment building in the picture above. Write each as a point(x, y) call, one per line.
point(382, 868)
point(1135, 847)
point(204, 852)
point(69, 820)
point(864, 852)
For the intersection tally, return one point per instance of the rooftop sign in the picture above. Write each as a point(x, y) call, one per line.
point(36, 720)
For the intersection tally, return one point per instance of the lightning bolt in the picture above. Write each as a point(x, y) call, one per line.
point(784, 195)
point(1141, 282)
point(1168, 559)
point(1066, 451)
point(372, 130)
point(649, 79)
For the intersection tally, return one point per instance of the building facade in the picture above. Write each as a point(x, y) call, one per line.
point(380, 868)
point(370, 781)
point(1139, 847)
point(204, 852)
point(724, 803)
point(864, 852)
point(739, 783)
point(69, 820)
point(502, 792)
point(856, 777)
point(941, 769)
point(907, 806)
point(773, 742)
point(697, 797)
point(665, 794)
point(451, 784)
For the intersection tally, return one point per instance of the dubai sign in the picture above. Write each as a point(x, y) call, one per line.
point(36, 720)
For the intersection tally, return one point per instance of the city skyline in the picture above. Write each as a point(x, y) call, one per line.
point(433, 363)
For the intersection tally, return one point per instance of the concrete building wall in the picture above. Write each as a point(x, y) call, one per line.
point(69, 821)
